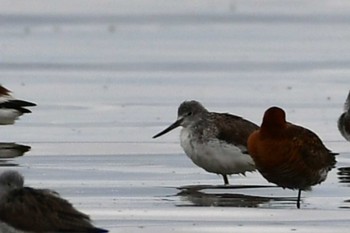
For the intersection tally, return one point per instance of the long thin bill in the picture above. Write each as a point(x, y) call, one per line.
point(171, 127)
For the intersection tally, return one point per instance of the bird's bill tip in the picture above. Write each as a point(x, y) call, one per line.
point(171, 127)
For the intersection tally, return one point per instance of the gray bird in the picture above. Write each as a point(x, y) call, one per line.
point(216, 142)
point(28, 210)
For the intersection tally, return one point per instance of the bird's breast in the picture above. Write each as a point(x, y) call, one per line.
point(215, 155)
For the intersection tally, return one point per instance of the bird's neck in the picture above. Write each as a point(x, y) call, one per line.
point(272, 130)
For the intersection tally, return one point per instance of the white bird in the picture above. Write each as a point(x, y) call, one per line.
point(216, 142)
point(11, 108)
point(29, 210)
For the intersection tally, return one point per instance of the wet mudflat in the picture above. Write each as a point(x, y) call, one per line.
point(105, 82)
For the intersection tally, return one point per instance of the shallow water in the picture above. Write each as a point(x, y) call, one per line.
point(107, 81)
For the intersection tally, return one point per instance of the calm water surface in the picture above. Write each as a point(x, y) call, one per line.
point(105, 82)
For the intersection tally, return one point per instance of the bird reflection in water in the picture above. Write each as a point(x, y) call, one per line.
point(344, 178)
point(344, 175)
point(205, 196)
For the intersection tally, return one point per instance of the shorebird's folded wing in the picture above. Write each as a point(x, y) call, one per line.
point(235, 130)
point(314, 153)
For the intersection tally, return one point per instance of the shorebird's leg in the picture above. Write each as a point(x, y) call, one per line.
point(298, 201)
point(225, 179)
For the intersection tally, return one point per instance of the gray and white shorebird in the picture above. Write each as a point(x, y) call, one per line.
point(11, 108)
point(344, 120)
point(216, 142)
point(29, 210)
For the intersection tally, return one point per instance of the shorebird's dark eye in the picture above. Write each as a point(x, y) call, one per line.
point(189, 113)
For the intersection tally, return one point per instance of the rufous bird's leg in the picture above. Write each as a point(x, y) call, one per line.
point(225, 179)
point(298, 201)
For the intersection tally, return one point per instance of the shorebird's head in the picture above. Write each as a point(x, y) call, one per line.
point(188, 112)
point(274, 117)
point(10, 180)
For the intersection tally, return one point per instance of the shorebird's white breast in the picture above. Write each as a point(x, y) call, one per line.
point(215, 155)
point(8, 116)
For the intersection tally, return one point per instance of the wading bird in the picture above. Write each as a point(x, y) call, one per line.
point(216, 142)
point(289, 155)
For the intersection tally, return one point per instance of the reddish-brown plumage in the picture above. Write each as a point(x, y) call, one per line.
point(289, 155)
